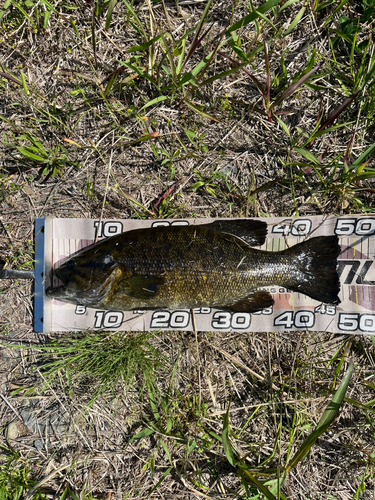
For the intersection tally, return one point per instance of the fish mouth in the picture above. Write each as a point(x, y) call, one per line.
point(60, 292)
point(89, 296)
point(63, 293)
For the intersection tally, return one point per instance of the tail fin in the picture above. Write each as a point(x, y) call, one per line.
point(315, 273)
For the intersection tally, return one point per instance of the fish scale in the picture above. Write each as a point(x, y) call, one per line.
point(208, 265)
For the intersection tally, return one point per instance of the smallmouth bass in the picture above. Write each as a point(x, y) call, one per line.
point(208, 265)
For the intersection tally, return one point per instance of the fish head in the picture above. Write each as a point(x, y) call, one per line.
point(87, 278)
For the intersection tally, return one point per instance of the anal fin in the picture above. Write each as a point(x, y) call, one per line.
point(256, 301)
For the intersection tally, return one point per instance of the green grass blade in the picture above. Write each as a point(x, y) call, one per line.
point(339, 7)
point(189, 77)
point(179, 52)
point(144, 46)
point(295, 21)
point(146, 137)
point(261, 487)
point(366, 175)
point(11, 78)
point(167, 452)
point(370, 72)
point(283, 125)
point(274, 486)
point(362, 71)
point(141, 73)
point(292, 88)
point(232, 41)
point(160, 480)
point(24, 84)
point(337, 112)
point(201, 112)
point(139, 23)
point(211, 58)
point(72, 495)
point(326, 131)
point(22, 11)
point(306, 154)
point(31, 156)
point(191, 448)
point(203, 18)
point(110, 84)
point(131, 198)
point(154, 101)
point(266, 20)
point(49, 6)
point(253, 15)
point(222, 75)
point(324, 5)
point(5, 8)
point(108, 20)
point(289, 2)
point(142, 434)
point(153, 401)
point(169, 53)
point(228, 449)
point(325, 421)
point(364, 156)
point(46, 17)
point(196, 41)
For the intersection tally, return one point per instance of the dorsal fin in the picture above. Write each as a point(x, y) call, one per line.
point(252, 231)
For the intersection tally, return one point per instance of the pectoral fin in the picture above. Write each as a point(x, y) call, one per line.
point(253, 232)
point(254, 302)
point(141, 286)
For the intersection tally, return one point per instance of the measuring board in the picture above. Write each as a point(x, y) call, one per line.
point(57, 239)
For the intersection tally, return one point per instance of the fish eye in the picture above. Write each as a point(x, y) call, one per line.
point(70, 265)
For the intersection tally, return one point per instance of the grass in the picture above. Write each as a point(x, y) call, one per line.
point(17, 479)
point(112, 359)
point(121, 109)
point(15, 475)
